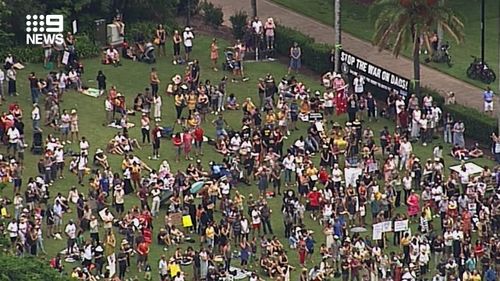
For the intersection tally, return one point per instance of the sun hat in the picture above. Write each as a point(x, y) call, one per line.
point(177, 79)
point(73, 111)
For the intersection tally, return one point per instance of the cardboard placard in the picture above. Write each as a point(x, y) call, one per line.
point(175, 218)
point(400, 225)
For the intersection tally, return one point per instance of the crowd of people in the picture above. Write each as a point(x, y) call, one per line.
point(334, 173)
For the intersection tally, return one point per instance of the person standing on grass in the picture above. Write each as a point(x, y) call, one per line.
point(35, 117)
point(214, 54)
point(2, 78)
point(187, 141)
point(145, 128)
point(295, 56)
point(101, 82)
point(74, 125)
point(161, 38)
point(188, 37)
point(488, 100)
point(11, 81)
point(177, 142)
point(176, 40)
point(154, 81)
point(198, 135)
point(156, 136)
point(157, 102)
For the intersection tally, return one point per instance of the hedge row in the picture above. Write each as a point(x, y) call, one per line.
point(316, 57)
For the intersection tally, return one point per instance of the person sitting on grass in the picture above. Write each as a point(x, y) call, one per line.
point(231, 103)
point(112, 56)
point(100, 159)
point(459, 152)
point(475, 151)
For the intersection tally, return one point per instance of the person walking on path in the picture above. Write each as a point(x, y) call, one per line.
point(488, 100)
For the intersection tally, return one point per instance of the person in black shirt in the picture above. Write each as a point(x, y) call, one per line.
point(122, 264)
point(101, 81)
point(345, 269)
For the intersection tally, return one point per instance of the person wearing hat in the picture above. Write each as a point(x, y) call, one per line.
point(188, 37)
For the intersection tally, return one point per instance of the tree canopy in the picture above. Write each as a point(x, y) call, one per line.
point(27, 269)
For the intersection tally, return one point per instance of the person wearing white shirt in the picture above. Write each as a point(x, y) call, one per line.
point(359, 85)
point(157, 102)
point(81, 167)
point(400, 105)
point(188, 37)
point(11, 82)
point(112, 56)
point(75, 79)
point(337, 176)
point(289, 164)
point(329, 97)
point(84, 146)
point(70, 231)
point(2, 78)
point(405, 150)
point(14, 137)
point(257, 26)
point(63, 78)
point(35, 117)
point(156, 194)
point(415, 124)
point(235, 143)
point(13, 230)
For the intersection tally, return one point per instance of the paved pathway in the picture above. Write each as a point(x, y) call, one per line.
point(465, 93)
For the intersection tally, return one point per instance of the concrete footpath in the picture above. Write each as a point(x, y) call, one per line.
point(465, 93)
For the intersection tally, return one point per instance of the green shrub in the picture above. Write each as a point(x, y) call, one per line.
point(182, 7)
point(239, 22)
point(285, 37)
point(478, 126)
point(34, 54)
point(212, 15)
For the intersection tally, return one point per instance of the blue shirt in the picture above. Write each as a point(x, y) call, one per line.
point(488, 96)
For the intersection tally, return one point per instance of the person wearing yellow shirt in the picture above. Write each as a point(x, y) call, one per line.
point(475, 276)
point(179, 102)
point(270, 117)
point(305, 106)
point(210, 235)
point(248, 106)
point(173, 268)
point(192, 100)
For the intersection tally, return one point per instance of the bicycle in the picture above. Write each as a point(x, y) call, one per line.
point(441, 56)
point(479, 70)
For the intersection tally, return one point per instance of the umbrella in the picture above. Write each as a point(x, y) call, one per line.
point(195, 187)
point(358, 229)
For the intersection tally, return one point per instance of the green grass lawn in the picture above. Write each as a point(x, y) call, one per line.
point(356, 21)
point(132, 78)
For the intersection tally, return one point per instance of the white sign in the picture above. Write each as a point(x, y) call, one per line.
point(378, 229)
point(112, 265)
point(400, 226)
point(44, 29)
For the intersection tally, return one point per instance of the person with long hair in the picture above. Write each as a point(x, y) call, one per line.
point(214, 54)
point(161, 38)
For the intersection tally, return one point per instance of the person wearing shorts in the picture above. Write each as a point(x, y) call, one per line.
point(488, 100)
point(177, 40)
point(188, 37)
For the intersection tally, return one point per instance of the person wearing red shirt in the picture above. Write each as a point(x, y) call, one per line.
point(142, 257)
point(177, 141)
point(198, 134)
point(323, 175)
point(314, 202)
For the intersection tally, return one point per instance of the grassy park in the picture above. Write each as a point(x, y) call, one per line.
point(355, 20)
point(130, 79)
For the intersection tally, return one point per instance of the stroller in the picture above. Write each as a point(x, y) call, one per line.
point(37, 146)
point(148, 56)
point(229, 63)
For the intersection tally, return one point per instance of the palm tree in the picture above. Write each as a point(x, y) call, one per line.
point(401, 22)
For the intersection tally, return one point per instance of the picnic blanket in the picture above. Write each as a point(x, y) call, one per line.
point(92, 92)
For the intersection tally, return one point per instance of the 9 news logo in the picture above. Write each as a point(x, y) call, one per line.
point(44, 29)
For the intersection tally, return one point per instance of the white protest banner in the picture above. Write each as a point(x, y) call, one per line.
point(400, 226)
point(112, 265)
point(377, 231)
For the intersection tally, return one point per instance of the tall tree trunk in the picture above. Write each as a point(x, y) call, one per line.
point(416, 65)
point(338, 36)
point(440, 32)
